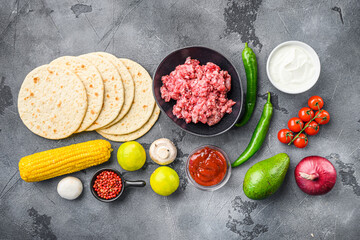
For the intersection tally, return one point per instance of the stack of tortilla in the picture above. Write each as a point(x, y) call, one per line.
point(95, 91)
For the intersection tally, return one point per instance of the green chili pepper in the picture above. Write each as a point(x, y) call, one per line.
point(259, 134)
point(250, 65)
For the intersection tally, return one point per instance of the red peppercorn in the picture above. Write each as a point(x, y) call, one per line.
point(107, 184)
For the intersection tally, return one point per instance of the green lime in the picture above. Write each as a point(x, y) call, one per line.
point(164, 181)
point(131, 156)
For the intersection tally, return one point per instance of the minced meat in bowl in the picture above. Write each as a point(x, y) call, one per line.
point(200, 92)
point(227, 83)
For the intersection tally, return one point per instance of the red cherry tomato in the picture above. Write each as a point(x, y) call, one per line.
point(323, 117)
point(306, 114)
point(312, 129)
point(285, 136)
point(295, 124)
point(301, 141)
point(316, 103)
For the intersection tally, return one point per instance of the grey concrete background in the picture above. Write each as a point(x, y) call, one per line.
point(37, 31)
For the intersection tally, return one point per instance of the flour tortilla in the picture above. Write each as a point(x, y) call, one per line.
point(52, 102)
point(128, 82)
point(137, 134)
point(143, 104)
point(114, 90)
point(93, 83)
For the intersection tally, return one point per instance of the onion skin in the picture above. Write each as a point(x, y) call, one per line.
point(315, 175)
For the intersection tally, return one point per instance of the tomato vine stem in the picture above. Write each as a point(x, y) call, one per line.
point(297, 135)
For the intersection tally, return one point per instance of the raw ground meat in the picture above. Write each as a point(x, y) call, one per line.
point(200, 92)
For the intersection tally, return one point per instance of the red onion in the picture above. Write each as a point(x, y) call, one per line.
point(315, 175)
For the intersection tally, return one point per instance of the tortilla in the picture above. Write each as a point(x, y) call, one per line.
point(143, 104)
point(114, 91)
point(52, 102)
point(128, 82)
point(93, 83)
point(137, 134)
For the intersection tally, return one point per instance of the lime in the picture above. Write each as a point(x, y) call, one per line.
point(164, 181)
point(131, 156)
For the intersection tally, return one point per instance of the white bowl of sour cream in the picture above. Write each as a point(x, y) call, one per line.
point(293, 67)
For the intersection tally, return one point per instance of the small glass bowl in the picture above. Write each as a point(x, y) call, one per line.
point(216, 186)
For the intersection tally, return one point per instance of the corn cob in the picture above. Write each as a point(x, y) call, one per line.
point(56, 162)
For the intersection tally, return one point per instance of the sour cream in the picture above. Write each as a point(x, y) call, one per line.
point(293, 67)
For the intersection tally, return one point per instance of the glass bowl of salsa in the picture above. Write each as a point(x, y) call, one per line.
point(208, 168)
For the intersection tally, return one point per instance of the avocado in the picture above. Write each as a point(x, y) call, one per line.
point(265, 177)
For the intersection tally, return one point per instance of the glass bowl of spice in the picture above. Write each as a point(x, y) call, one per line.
point(208, 168)
point(108, 184)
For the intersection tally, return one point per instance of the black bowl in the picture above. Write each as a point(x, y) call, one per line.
point(204, 55)
point(125, 184)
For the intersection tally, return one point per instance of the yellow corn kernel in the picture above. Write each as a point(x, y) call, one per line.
point(59, 161)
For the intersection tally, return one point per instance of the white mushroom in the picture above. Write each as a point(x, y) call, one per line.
point(70, 188)
point(163, 151)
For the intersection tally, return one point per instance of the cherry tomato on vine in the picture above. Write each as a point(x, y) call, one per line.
point(316, 103)
point(306, 114)
point(285, 136)
point(312, 129)
point(323, 117)
point(295, 124)
point(301, 141)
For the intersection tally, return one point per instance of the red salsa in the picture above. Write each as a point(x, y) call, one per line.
point(207, 166)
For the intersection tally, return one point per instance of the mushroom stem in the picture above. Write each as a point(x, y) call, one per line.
point(163, 151)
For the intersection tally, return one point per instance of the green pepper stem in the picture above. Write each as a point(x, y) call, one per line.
point(297, 135)
point(246, 45)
